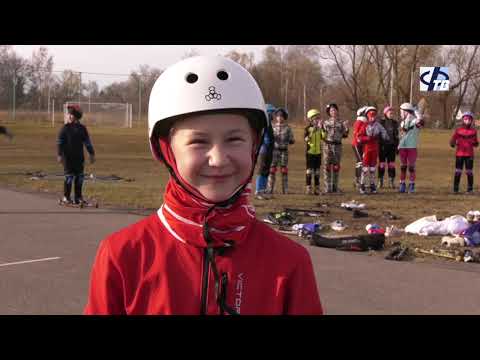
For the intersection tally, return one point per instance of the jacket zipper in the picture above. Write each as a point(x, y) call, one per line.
point(206, 270)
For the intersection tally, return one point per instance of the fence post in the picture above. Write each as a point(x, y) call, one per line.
point(53, 112)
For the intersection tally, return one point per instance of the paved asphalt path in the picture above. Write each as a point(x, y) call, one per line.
point(64, 241)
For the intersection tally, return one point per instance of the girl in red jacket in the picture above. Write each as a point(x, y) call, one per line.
point(359, 123)
point(369, 137)
point(204, 252)
point(465, 139)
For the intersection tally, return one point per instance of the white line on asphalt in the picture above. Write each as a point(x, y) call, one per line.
point(29, 261)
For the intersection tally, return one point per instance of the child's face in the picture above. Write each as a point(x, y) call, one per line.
point(467, 120)
point(333, 112)
point(70, 118)
point(389, 114)
point(213, 153)
point(279, 119)
point(315, 120)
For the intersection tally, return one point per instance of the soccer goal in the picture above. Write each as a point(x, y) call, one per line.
point(104, 114)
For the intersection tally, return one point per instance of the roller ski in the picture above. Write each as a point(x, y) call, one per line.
point(78, 204)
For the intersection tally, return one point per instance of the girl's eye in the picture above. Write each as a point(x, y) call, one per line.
point(233, 139)
point(197, 141)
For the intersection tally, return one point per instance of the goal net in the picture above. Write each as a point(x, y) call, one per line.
point(104, 114)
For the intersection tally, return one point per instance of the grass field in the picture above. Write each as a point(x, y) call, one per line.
point(125, 153)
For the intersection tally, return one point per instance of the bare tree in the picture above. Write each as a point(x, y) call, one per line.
point(244, 59)
point(383, 67)
point(12, 77)
point(349, 63)
point(467, 69)
point(39, 74)
point(190, 53)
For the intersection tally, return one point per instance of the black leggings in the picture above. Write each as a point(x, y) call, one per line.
point(460, 161)
point(387, 153)
point(73, 173)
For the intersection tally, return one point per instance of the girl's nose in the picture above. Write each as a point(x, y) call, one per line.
point(217, 156)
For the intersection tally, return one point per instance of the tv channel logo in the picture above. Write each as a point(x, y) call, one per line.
point(434, 78)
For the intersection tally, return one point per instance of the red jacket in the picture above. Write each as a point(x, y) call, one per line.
point(146, 268)
point(358, 125)
point(465, 139)
point(370, 143)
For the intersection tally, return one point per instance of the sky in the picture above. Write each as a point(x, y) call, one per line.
point(122, 59)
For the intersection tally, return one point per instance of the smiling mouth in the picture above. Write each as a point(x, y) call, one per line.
point(218, 177)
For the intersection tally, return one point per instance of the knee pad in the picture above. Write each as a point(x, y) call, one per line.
point(381, 165)
point(284, 170)
point(458, 171)
point(69, 179)
point(273, 170)
point(336, 167)
point(411, 168)
point(391, 165)
point(365, 169)
point(469, 172)
point(309, 171)
point(359, 165)
point(372, 169)
point(317, 172)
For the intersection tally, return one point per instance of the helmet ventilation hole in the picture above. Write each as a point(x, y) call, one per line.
point(222, 75)
point(191, 78)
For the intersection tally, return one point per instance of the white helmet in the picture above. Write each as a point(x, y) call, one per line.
point(202, 84)
point(407, 107)
point(361, 111)
point(370, 108)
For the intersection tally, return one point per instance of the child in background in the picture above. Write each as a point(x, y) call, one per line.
point(369, 136)
point(313, 136)
point(409, 130)
point(265, 157)
point(388, 148)
point(283, 136)
point(464, 139)
point(359, 123)
point(71, 139)
point(335, 130)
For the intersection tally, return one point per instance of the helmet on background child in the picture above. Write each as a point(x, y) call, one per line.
point(467, 118)
point(408, 107)
point(386, 109)
point(75, 110)
point(330, 106)
point(282, 112)
point(312, 113)
point(270, 109)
